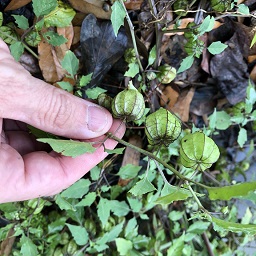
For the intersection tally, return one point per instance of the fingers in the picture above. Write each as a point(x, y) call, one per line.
point(39, 104)
point(42, 174)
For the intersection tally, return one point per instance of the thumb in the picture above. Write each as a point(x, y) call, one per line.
point(54, 110)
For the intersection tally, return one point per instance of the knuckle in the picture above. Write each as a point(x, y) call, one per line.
point(57, 111)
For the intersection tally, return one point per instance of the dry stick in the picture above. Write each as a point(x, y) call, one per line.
point(152, 156)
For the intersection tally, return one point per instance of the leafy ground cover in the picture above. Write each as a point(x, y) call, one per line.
point(187, 68)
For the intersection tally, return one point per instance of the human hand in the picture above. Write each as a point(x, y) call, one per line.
point(25, 171)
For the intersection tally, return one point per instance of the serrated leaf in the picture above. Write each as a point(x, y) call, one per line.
point(63, 203)
point(79, 234)
point(54, 38)
point(84, 80)
point(17, 50)
point(129, 171)
point(88, 200)
point(207, 25)
point(78, 189)
point(242, 137)
point(152, 56)
point(56, 225)
point(70, 63)
point(43, 7)
point(119, 208)
point(133, 70)
point(103, 210)
point(175, 194)
point(220, 225)
point(69, 147)
point(216, 47)
point(65, 86)
point(21, 21)
point(198, 227)
point(60, 17)
point(28, 248)
point(242, 8)
point(186, 64)
point(117, 16)
point(142, 187)
point(94, 92)
point(228, 192)
point(177, 246)
point(123, 246)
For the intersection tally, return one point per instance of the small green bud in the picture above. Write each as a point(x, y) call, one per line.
point(128, 104)
point(198, 151)
point(166, 74)
point(151, 75)
point(162, 127)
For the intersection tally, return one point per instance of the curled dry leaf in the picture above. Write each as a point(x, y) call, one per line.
point(94, 7)
point(49, 61)
point(14, 4)
point(169, 97)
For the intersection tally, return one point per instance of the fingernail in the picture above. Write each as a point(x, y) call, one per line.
point(97, 118)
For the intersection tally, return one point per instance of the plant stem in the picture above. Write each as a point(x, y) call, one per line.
point(133, 37)
point(152, 156)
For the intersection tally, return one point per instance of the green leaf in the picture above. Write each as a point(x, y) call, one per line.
point(21, 21)
point(119, 208)
point(242, 137)
point(43, 7)
point(216, 47)
point(129, 171)
point(252, 43)
point(103, 210)
point(251, 93)
point(133, 70)
point(186, 64)
point(135, 204)
point(176, 194)
point(84, 80)
point(79, 234)
point(88, 200)
point(228, 192)
point(177, 246)
point(152, 56)
point(78, 189)
point(95, 173)
point(69, 147)
point(131, 228)
point(17, 50)
point(219, 225)
point(60, 17)
point(70, 63)
point(198, 227)
point(207, 25)
point(242, 8)
point(8, 35)
point(222, 120)
point(54, 38)
point(115, 151)
point(28, 248)
point(65, 86)
point(1, 19)
point(123, 246)
point(94, 92)
point(142, 187)
point(117, 16)
point(63, 203)
point(56, 225)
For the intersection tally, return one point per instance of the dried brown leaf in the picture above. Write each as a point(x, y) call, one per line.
point(68, 33)
point(133, 4)
point(169, 97)
point(14, 4)
point(49, 61)
point(76, 38)
point(94, 7)
point(181, 108)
